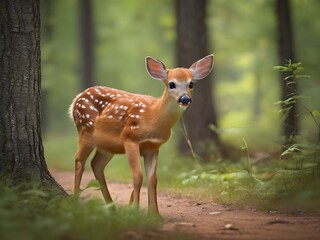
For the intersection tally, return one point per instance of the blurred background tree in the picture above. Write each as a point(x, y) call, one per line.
point(286, 53)
point(243, 36)
point(87, 43)
point(192, 43)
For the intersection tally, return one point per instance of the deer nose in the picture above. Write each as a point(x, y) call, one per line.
point(184, 100)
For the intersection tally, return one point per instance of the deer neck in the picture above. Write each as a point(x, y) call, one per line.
point(167, 111)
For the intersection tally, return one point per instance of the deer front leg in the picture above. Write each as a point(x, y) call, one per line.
point(133, 152)
point(150, 164)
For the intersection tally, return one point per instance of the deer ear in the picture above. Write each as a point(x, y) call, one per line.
point(156, 69)
point(202, 68)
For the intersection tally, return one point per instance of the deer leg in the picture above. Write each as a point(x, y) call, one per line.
point(150, 164)
point(133, 152)
point(98, 163)
point(81, 157)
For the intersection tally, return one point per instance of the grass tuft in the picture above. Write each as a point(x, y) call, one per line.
point(28, 214)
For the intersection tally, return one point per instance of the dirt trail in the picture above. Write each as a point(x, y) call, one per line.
point(209, 220)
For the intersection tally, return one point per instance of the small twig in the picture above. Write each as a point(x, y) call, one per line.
point(248, 156)
point(195, 156)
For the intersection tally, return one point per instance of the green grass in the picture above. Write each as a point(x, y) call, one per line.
point(60, 151)
point(27, 213)
point(278, 186)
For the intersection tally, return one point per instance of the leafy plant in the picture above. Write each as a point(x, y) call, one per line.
point(294, 71)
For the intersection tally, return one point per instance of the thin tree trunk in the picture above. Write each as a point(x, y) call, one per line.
point(258, 90)
point(87, 35)
point(286, 52)
point(21, 154)
point(192, 44)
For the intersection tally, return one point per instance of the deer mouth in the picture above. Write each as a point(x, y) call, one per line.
point(184, 101)
point(184, 106)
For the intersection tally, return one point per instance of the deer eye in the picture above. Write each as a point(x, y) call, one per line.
point(191, 85)
point(172, 85)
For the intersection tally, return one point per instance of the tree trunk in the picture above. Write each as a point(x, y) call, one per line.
point(192, 44)
point(21, 157)
point(286, 52)
point(87, 34)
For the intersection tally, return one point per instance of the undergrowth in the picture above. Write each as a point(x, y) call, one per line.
point(30, 214)
point(290, 183)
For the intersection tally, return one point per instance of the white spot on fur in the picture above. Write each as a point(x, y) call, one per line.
point(89, 124)
point(93, 108)
point(97, 90)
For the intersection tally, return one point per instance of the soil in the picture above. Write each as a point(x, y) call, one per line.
point(202, 220)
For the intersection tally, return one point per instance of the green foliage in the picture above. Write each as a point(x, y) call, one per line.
point(28, 214)
point(294, 73)
point(290, 183)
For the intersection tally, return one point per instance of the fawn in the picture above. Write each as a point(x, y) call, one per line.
point(117, 122)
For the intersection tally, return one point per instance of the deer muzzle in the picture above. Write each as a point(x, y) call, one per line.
point(184, 100)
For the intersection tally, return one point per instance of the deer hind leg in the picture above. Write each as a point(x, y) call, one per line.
point(133, 152)
point(99, 162)
point(81, 158)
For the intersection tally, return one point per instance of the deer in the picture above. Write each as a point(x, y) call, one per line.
point(113, 121)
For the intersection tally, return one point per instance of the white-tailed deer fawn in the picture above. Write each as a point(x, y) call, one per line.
point(116, 122)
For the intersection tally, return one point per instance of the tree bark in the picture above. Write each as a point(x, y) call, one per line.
point(286, 52)
point(21, 155)
point(192, 44)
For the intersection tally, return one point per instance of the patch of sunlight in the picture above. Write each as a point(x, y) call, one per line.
point(235, 119)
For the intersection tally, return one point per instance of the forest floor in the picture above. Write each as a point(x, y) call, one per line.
point(203, 220)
